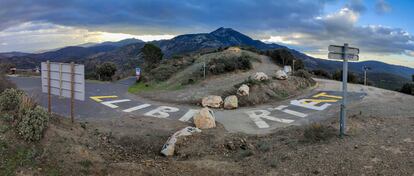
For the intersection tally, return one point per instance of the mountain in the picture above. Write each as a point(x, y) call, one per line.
point(13, 54)
point(222, 37)
point(376, 66)
point(66, 54)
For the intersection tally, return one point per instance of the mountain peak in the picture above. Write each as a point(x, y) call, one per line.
point(223, 30)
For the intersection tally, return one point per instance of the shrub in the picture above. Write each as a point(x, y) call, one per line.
point(228, 64)
point(322, 73)
point(352, 77)
point(407, 89)
point(317, 132)
point(303, 74)
point(5, 83)
point(33, 123)
point(10, 100)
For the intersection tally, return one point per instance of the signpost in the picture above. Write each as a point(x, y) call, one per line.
point(138, 73)
point(344, 53)
point(365, 74)
point(64, 80)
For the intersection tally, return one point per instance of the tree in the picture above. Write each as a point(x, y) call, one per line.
point(412, 77)
point(352, 78)
point(106, 70)
point(407, 88)
point(285, 57)
point(152, 56)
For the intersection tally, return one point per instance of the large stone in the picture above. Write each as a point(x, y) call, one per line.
point(231, 102)
point(243, 90)
point(204, 119)
point(280, 74)
point(212, 101)
point(260, 76)
point(169, 147)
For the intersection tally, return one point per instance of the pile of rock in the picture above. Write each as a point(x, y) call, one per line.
point(215, 101)
point(243, 90)
point(212, 101)
point(260, 76)
point(281, 75)
point(204, 119)
point(169, 147)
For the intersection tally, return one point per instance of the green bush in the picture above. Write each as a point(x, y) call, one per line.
point(10, 100)
point(5, 83)
point(407, 89)
point(33, 123)
point(303, 74)
point(224, 65)
point(322, 73)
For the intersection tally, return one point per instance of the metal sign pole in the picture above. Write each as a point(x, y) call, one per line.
point(72, 90)
point(344, 91)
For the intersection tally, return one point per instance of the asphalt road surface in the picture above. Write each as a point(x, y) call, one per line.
point(111, 100)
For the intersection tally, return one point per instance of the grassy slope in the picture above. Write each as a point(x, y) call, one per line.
point(178, 80)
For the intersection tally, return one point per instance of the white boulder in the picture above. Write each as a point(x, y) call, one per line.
point(169, 147)
point(204, 119)
point(212, 101)
point(231, 102)
point(280, 74)
point(260, 76)
point(243, 90)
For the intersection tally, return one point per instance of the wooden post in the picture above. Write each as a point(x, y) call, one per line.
point(72, 90)
point(49, 97)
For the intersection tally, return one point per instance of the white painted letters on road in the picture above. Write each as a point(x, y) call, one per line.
point(188, 115)
point(111, 103)
point(136, 108)
point(161, 112)
point(257, 116)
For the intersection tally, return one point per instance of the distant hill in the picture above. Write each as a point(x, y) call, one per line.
point(376, 66)
point(386, 80)
point(13, 54)
point(66, 54)
point(222, 37)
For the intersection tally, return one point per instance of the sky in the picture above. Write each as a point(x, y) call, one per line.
point(382, 29)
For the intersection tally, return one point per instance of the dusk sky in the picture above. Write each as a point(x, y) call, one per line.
point(382, 29)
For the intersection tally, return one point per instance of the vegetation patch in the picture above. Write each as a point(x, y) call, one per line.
point(222, 65)
point(317, 132)
point(10, 100)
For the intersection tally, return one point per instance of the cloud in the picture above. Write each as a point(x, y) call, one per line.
point(37, 36)
point(341, 27)
point(356, 6)
point(143, 15)
point(382, 7)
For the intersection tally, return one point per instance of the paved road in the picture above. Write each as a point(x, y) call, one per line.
point(111, 100)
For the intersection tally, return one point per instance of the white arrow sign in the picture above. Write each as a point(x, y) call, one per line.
point(339, 50)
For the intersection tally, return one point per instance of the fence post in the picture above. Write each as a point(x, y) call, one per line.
point(72, 90)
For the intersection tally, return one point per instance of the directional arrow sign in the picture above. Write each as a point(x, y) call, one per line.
point(338, 56)
point(340, 49)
